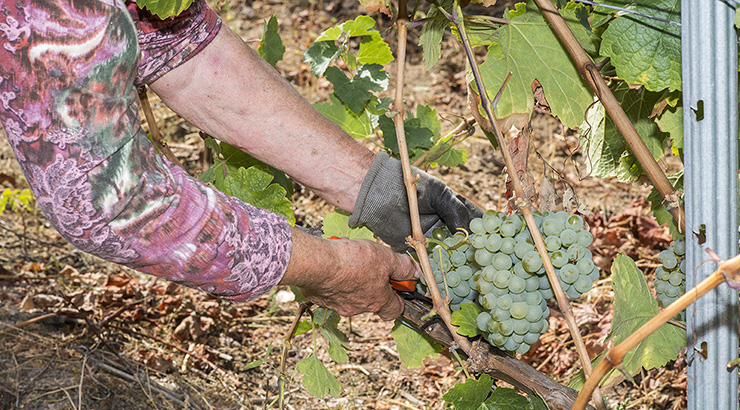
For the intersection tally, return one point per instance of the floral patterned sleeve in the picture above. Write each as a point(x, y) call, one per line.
point(70, 111)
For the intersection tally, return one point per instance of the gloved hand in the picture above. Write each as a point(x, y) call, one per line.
point(382, 204)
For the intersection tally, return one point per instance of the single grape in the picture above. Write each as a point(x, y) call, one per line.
point(594, 275)
point(488, 301)
point(491, 223)
point(482, 320)
point(568, 237)
point(576, 252)
point(660, 287)
point(518, 297)
point(524, 236)
point(458, 258)
point(462, 289)
point(470, 254)
point(519, 310)
point(517, 285)
point(547, 293)
point(583, 284)
point(465, 272)
point(518, 338)
point(673, 291)
point(569, 273)
point(574, 222)
point(483, 257)
point(499, 314)
point(521, 327)
point(533, 284)
point(504, 302)
point(523, 348)
point(506, 327)
point(508, 245)
point(478, 241)
point(487, 273)
point(552, 243)
point(519, 270)
point(508, 228)
point(552, 226)
point(493, 243)
point(497, 339)
point(511, 345)
point(585, 266)
point(675, 278)
point(452, 278)
point(476, 226)
point(668, 259)
point(522, 248)
point(585, 238)
point(534, 314)
point(502, 279)
point(534, 298)
point(532, 261)
point(501, 261)
point(531, 338)
point(679, 247)
point(559, 258)
point(572, 292)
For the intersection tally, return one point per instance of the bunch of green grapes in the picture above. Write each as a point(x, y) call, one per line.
point(512, 282)
point(453, 268)
point(670, 278)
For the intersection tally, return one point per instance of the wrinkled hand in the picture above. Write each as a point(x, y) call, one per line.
point(349, 276)
point(382, 204)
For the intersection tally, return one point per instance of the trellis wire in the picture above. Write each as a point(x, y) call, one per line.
point(709, 64)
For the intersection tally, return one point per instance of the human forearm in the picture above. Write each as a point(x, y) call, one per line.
point(228, 91)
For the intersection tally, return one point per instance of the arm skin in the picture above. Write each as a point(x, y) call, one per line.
point(231, 93)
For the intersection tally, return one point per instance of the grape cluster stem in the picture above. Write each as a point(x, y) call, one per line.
point(729, 269)
point(417, 240)
point(562, 300)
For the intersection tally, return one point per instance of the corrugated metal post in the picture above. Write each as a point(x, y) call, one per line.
point(709, 59)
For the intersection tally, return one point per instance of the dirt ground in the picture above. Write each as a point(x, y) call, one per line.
point(78, 332)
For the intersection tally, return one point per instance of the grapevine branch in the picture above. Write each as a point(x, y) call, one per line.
point(615, 355)
point(417, 240)
point(491, 360)
point(153, 129)
point(591, 74)
point(523, 204)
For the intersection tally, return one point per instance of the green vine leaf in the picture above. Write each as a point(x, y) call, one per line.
point(413, 347)
point(671, 122)
point(271, 46)
point(328, 320)
point(356, 93)
point(372, 50)
point(471, 394)
point(336, 224)
point(317, 379)
point(466, 319)
point(607, 153)
point(646, 51)
point(432, 33)
point(530, 50)
point(358, 126)
point(253, 186)
point(165, 8)
point(421, 131)
point(634, 305)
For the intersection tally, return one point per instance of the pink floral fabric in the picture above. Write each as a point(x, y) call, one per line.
point(69, 108)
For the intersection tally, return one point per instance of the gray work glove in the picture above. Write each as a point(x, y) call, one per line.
point(382, 204)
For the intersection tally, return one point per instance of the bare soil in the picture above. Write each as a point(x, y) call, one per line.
point(79, 332)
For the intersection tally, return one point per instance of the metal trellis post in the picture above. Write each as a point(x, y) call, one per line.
point(709, 64)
